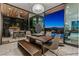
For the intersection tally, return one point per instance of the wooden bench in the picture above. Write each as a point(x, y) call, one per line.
point(29, 49)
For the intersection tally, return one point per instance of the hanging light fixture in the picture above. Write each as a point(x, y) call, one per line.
point(38, 8)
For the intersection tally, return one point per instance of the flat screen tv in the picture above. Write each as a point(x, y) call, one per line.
point(54, 20)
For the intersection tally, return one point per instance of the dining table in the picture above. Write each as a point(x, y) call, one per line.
point(42, 39)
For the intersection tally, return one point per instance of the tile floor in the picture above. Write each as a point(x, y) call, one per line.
point(11, 49)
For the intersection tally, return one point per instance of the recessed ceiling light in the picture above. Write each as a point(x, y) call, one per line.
point(21, 12)
point(9, 8)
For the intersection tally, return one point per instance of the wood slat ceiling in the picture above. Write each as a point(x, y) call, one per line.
point(60, 7)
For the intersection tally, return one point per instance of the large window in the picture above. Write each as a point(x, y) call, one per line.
point(55, 19)
point(71, 23)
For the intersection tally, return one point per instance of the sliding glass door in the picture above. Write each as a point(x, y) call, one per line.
point(71, 24)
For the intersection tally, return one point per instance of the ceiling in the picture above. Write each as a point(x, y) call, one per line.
point(28, 6)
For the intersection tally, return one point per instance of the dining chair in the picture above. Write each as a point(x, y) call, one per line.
point(27, 33)
point(52, 47)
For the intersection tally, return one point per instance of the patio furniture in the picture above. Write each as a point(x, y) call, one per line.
point(59, 40)
point(52, 47)
point(34, 38)
point(29, 49)
point(42, 39)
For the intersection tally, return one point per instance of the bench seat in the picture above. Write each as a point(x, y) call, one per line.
point(29, 48)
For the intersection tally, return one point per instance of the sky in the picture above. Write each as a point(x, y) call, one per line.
point(55, 19)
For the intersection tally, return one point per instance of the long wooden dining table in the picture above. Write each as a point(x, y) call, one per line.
point(42, 39)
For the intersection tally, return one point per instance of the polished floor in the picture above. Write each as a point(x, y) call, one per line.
point(11, 49)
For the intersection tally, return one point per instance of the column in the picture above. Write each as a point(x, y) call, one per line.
point(0, 29)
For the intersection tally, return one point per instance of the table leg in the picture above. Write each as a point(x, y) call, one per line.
point(32, 41)
point(42, 49)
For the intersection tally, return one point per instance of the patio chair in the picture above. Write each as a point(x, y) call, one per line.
point(51, 47)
